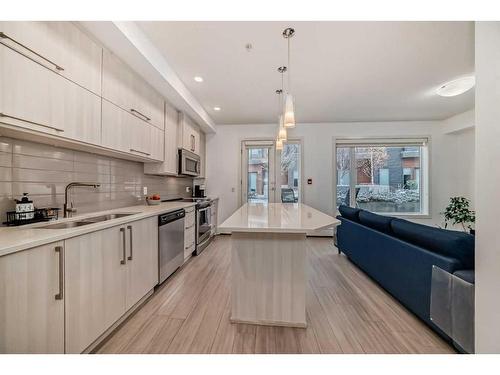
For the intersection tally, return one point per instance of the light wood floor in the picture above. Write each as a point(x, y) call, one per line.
point(346, 312)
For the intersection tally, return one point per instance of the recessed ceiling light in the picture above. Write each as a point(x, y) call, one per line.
point(198, 79)
point(457, 86)
point(216, 108)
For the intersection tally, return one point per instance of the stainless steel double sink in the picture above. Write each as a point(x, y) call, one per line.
point(86, 221)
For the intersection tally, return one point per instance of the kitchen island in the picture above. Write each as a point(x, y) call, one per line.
point(268, 261)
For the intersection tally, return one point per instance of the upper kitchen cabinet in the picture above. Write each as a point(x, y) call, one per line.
point(188, 134)
point(121, 86)
point(124, 132)
point(59, 46)
point(36, 99)
point(170, 154)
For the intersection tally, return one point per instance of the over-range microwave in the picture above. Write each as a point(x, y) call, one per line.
point(189, 163)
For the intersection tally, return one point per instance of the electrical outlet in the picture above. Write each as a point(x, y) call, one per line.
point(145, 190)
point(188, 189)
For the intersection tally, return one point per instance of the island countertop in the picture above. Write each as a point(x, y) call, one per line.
point(277, 218)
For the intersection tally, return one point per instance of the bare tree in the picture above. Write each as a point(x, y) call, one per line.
point(289, 156)
point(343, 162)
point(373, 158)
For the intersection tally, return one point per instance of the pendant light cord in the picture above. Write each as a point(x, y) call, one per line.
point(289, 71)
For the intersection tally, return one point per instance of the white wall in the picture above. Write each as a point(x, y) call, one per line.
point(487, 191)
point(452, 159)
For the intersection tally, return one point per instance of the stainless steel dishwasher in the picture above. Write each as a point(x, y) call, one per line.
point(170, 243)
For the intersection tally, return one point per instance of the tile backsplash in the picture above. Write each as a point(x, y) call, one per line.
point(43, 171)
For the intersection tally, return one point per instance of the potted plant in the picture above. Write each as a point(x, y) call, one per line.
point(458, 212)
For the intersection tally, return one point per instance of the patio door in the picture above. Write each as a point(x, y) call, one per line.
point(258, 177)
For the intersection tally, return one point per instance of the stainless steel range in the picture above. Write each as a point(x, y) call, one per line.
point(204, 225)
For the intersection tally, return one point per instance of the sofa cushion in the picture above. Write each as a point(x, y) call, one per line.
point(466, 275)
point(374, 221)
point(449, 243)
point(349, 213)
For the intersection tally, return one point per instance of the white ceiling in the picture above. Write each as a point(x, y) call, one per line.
point(341, 71)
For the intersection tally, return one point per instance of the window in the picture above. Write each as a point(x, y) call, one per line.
point(383, 176)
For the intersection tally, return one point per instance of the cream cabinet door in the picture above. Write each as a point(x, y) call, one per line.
point(59, 46)
point(124, 132)
point(121, 86)
point(170, 150)
point(31, 317)
point(95, 279)
point(35, 98)
point(157, 143)
point(142, 259)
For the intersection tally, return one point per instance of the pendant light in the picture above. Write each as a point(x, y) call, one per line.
point(282, 134)
point(289, 116)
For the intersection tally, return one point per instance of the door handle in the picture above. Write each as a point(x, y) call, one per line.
point(143, 116)
point(131, 243)
point(140, 152)
point(60, 250)
point(31, 122)
point(5, 36)
point(124, 251)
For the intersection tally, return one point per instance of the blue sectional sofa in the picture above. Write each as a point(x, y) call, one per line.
point(399, 255)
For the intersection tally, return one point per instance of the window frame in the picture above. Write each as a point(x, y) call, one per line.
point(425, 169)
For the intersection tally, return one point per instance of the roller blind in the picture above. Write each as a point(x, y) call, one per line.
point(387, 142)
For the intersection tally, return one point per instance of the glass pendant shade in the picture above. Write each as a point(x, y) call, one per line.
point(279, 144)
point(282, 131)
point(289, 112)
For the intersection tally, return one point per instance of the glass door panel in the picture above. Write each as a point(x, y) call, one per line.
point(289, 173)
point(258, 182)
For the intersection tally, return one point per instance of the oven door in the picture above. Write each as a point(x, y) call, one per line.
point(204, 224)
point(189, 163)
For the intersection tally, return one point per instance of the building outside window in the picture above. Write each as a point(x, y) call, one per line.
point(383, 176)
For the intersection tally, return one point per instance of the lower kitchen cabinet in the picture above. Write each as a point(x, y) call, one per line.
point(142, 259)
point(32, 300)
point(189, 232)
point(107, 272)
point(95, 285)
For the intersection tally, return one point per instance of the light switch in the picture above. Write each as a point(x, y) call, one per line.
point(145, 190)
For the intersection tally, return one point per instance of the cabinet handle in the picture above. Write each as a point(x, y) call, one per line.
point(189, 226)
point(187, 247)
point(193, 143)
point(140, 152)
point(124, 260)
point(131, 242)
point(5, 36)
point(136, 112)
point(60, 250)
point(32, 122)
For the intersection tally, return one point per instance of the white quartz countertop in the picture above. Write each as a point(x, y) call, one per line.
point(277, 218)
point(13, 239)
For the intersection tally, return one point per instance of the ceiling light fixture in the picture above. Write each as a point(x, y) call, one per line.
point(289, 116)
point(198, 79)
point(216, 108)
point(456, 87)
point(282, 134)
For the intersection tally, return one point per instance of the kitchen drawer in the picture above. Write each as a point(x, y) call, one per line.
point(189, 220)
point(188, 251)
point(189, 236)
